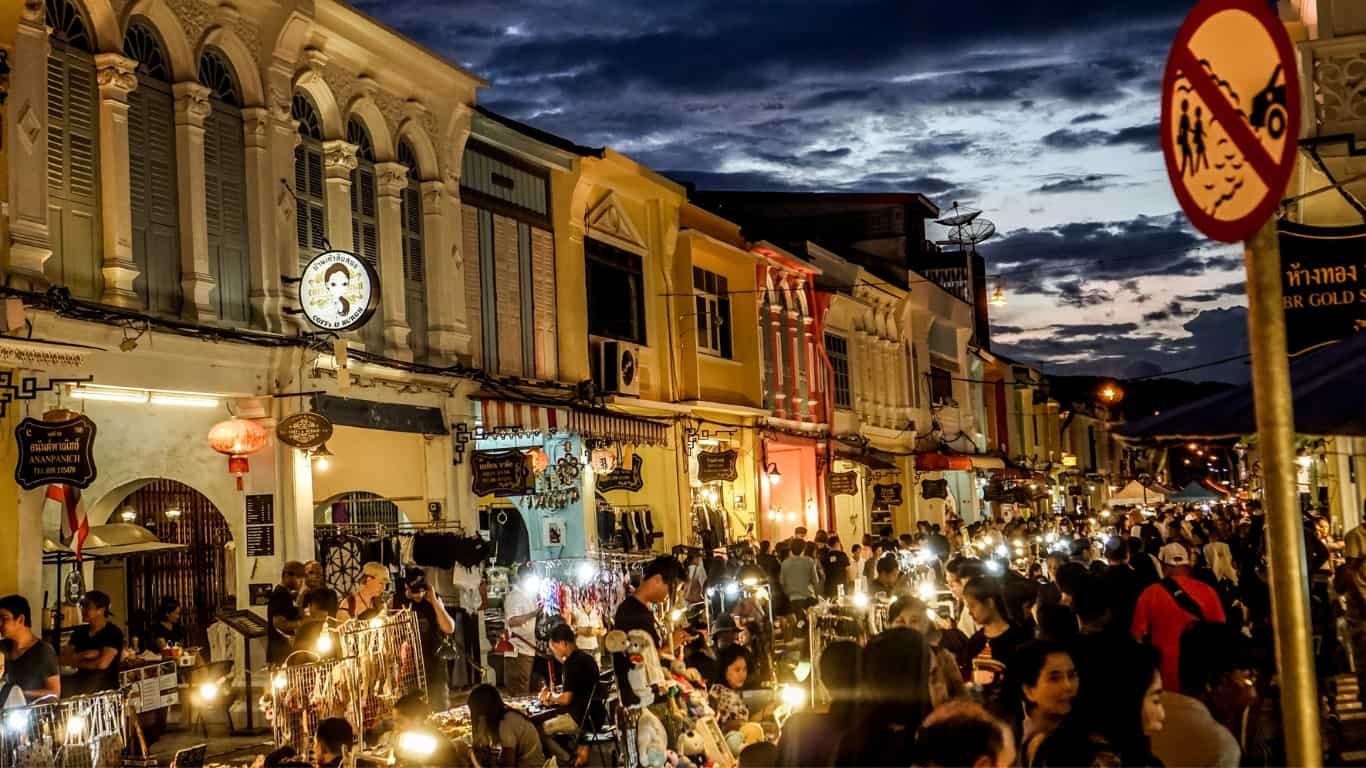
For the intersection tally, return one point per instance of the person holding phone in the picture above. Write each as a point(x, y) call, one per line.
point(434, 624)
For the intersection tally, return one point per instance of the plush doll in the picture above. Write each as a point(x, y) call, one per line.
point(699, 705)
point(652, 741)
point(751, 733)
point(645, 673)
point(692, 746)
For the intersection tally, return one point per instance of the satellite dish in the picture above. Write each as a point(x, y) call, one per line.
point(966, 229)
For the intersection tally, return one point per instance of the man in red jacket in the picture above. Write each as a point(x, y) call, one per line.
point(1166, 608)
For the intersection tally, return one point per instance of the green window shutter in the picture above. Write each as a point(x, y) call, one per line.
point(153, 196)
point(225, 206)
point(73, 173)
point(310, 200)
point(414, 268)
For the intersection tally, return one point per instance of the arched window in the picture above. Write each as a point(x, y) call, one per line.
point(310, 195)
point(225, 189)
point(73, 168)
point(414, 261)
point(364, 218)
point(152, 190)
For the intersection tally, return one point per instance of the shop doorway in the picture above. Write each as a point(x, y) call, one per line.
point(201, 576)
point(351, 529)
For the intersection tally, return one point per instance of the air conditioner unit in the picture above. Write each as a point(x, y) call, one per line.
point(616, 367)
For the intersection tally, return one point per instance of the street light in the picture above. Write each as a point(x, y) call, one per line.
point(774, 476)
point(1111, 393)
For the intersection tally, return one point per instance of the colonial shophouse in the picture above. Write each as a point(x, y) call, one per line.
point(170, 165)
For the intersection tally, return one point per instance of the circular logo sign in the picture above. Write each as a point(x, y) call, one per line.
point(338, 291)
point(304, 430)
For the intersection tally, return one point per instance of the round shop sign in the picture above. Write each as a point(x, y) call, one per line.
point(338, 291)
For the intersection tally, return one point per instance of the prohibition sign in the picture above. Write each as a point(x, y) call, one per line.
point(1230, 116)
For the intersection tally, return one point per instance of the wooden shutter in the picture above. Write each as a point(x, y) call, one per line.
point(543, 293)
point(73, 173)
point(507, 296)
point(365, 241)
point(153, 195)
point(474, 312)
point(225, 204)
point(414, 268)
point(310, 199)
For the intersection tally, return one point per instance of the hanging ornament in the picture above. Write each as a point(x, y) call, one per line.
point(604, 460)
point(539, 460)
point(236, 439)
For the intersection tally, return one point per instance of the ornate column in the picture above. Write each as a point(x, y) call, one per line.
point(116, 78)
point(448, 331)
point(26, 127)
point(263, 257)
point(339, 160)
point(390, 181)
point(197, 280)
point(275, 199)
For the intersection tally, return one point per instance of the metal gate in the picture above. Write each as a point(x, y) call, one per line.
point(197, 575)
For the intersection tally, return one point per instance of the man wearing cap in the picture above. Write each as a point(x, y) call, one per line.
point(94, 648)
point(283, 614)
point(1166, 608)
point(366, 600)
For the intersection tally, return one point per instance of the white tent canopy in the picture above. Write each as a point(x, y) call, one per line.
point(1135, 495)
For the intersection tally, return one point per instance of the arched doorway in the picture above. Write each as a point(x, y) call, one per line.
point(201, 576)
point(351, 529)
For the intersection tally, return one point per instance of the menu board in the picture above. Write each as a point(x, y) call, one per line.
point(260, 525)
point(887, 495)
point(151, 687)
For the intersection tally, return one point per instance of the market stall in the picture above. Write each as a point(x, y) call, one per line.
point(1135, 494)
point(80, 732)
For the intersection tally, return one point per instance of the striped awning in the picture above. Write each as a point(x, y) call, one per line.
point(618, 428)
point(522, 417)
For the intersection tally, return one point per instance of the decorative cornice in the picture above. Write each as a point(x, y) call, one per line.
point(33, 12)
point(256, 126)
point(433, 194)
point(116, 72)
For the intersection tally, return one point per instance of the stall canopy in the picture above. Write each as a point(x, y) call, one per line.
point(1195, 492)
point(112, 540)
point(1326, 385)
point(1134, 494)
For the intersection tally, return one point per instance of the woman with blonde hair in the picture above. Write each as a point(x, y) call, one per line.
point(1220, 572)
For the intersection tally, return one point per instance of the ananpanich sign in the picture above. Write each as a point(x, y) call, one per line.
point(500, 473)
point(55, 452)
point(716, 466)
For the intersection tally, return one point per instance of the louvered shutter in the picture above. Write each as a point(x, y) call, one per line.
point(414, 268)
point(153, 196)
point(225, 206)
point(73, 173)
point(310, 210)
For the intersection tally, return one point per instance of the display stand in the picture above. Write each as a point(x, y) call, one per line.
point(251, 627)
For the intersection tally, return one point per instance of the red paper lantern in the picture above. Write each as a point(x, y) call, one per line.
point(236, 439)
point(539, 459)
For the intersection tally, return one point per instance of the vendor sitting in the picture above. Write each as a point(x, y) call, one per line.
point(726, 697)
point(496, 724)
point(578, 675)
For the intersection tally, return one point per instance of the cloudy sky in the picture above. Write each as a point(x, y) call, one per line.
point(1042, 113)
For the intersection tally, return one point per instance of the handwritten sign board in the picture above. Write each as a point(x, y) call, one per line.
point(1323, 282)
point(887, 495)
point(499, 473)
point(716, 466)
point(842, 483)
point(55, 452)
point(624, 478)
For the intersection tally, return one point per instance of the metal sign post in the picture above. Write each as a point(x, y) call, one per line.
point(1287, 571)
point(1229, 134)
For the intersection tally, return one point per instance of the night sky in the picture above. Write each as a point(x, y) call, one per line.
point(1043, 113)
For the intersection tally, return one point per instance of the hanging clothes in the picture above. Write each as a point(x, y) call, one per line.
point(508, 533)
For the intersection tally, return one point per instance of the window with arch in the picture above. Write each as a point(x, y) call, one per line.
point(414, 260)
point(365, 218)
point(153, 195)
point(310, 194)
point(73, 154)
point(364, 209)
point(225, 189)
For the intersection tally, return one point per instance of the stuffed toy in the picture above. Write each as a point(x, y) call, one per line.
point(652, 741)
point(692, 746)
point(645, 673)
point(699, 705)
point(752, 733)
